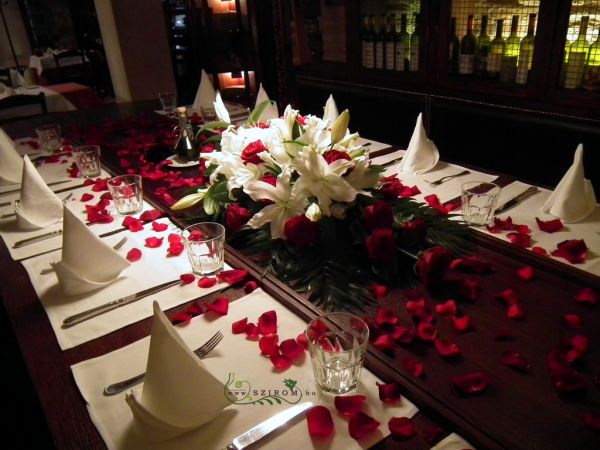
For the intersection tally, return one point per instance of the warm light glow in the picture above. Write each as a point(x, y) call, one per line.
point(236, 79)
point(222, 6)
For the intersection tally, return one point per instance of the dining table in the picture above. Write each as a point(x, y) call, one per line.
point(524, 405)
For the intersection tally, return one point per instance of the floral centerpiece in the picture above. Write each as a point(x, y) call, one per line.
point(301, 195)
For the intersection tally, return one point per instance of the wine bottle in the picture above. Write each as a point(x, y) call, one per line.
point(494, 60)
point(510, 55)
point(390, 42)
point(364, 37)
point(370, 44)
point(402, 46)
point(483, 48)
point(380, 44)
point(454, 48)
point(466, 57)
point(526, 52)
point(578, 53)
point(184, 147)
point(413, 63)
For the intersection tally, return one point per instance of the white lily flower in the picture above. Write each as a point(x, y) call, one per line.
point(362, 177)
point(330, 111)
point(313, 212)
point(189, 200)
point(340, 127)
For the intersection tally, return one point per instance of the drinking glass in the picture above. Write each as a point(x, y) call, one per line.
point(168, 101)
point(337, 343)
point(205, 244)
point(479, 200)
point(50, 137)
point(126, 191)
point(87, 159)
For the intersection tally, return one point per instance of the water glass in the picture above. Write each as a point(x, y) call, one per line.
point(168, 101)
point(126, 191)
point(479, 200)
point(205, 246)
point(337, 343)
point(50, 137)
point(87, 159)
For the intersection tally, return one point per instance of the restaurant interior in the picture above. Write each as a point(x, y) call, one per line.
point(425, 167)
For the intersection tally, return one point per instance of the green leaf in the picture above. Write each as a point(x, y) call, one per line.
point(209, 127)
point(257, 112)
point(297, 130)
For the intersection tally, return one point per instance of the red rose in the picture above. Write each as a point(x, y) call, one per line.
point(301, 231)
point(250, 153)
point(378, 215)
point(333, 155)
point(236, 216)
point(380, 245)
point(270, 179)
point(412, 233)
point(433, 264)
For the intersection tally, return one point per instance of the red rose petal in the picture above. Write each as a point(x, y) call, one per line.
point(521, 229)
point(389, 392)
point(175, 248)
point(350, 404)
point(319, 421)
point(469, 289)
point(592, 420)
point(153, 242)
point(574, 250)
point(516, 361)
point(581, 343)
point(194, 309)
point(361, 424)
point(267, 323)
point(539, 250)
point(316, 329)
point(172, 238)
point(220, 306)
point(412, 306)
point(568, 381)
point(446, 349)
point(157, 226)
point(573, 321)
point(98, 214)
point(302, 340)
point(187, 278)
point(86, 197)
point(135, 254)
point(412, 366)
point(280, 362)
point(250, 286)
point(232, 276)
point(384, 342)
point(385, 316)
point(133, 224)
point(402, 334)
point(471, 383)
point(151, 215)
point(587, 296)
point(252, 331)
point(549, 226)
point(526, 273)
point(291, 349)
point(181, 318)
point(268, 345)
point(556, 361)
point(461, 324)
point(379, 290)
point(508, 296)
point(207, 282)
point(239, 327)
point(516, 311)
point(471, 264)
point(401, 428)
point(448, 308)
point(426, 331)
point(519, 239)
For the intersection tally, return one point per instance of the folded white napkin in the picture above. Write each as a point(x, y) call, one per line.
point(11, 163)
point(220, 109)
point(271, 111)
point(179, 393)
point(38, 206)
point(452, 442)
point(330, 112)
point(87, 262)
point(421, 154)
point(17, 79)
point(573, 198)
point(205, 96)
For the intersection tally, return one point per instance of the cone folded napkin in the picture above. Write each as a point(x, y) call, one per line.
point(179, 393)
point(11, 163)
point(421, 154)
point(220, 109)
point(206, 94)
point(38, 206)
point(573, 199)
point(271, 111)
point(87, 262)
point(330, 112)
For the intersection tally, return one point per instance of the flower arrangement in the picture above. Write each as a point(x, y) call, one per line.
point(300, 194)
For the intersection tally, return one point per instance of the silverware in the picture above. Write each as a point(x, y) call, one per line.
point(98, 310)
point(38, 238)
point(392, 162)
point(266, 427)
point(448, 178)
point(200, 352)
point(54, 183)
point(517, 199)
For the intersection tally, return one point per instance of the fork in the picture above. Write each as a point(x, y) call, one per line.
point(447, 178)
point(200, 352)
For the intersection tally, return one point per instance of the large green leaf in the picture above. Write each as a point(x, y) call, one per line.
point(257, 112)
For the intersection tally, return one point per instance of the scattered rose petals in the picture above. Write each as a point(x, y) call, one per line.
point(268, 345)
point(469, 289)
point(267, 323)
point(539, 251)
point(207, 282)
point(187, 278)
point(526, 273)
point(587, 296)
point(379, 290)
point(401, 427)
point(412, 366)
point(471, 383)
point(386, 316)
point(280, 362)
point(573, 321)
point(549, 226)
point(157, 226)
point(361, 424)
point(239, 327)
point(151, 215)
point(250, 286)
point(446, 349)
point(402, 334)
point(291, 349)
point(175, 249)
point(98, 214)
point(389, 392)
point(194, 309)
point(516, 311)
point(516, 361)
point(133, 224)
point(174, 237)
point(384, 342)
point(574, 250)
point(349, 405)
point(433, 201)
point(508, 296)
point(232, 276)
point(448, 308)
point(181, 318)
point(133, 255)
point(426, 331)
point(412, 306)
point(302, 340)
point(581, 343)
point(252, 331)
point(154, 242)
point(461, 324)
point(519, 239)
point(86, 197)
point(592, 420)
point(319, 421)
point(220, 306)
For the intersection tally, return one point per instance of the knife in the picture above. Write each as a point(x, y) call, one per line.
point(38, 238)
point(54, 183)
point(515, 200)
point(255, 434)
point(97, 310)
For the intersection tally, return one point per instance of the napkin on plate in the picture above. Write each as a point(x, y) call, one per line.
point(330, 112)
point(205, 96)
point(573, 198)
point(87, 262)
point(17, 79)
point(38, 206)
point(179, 394)
point(421, 154)
point(11, 163)
point(220, 109)
point(271, 111)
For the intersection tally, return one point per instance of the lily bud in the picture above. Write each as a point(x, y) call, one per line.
point(313, 213)
point(340, 126)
